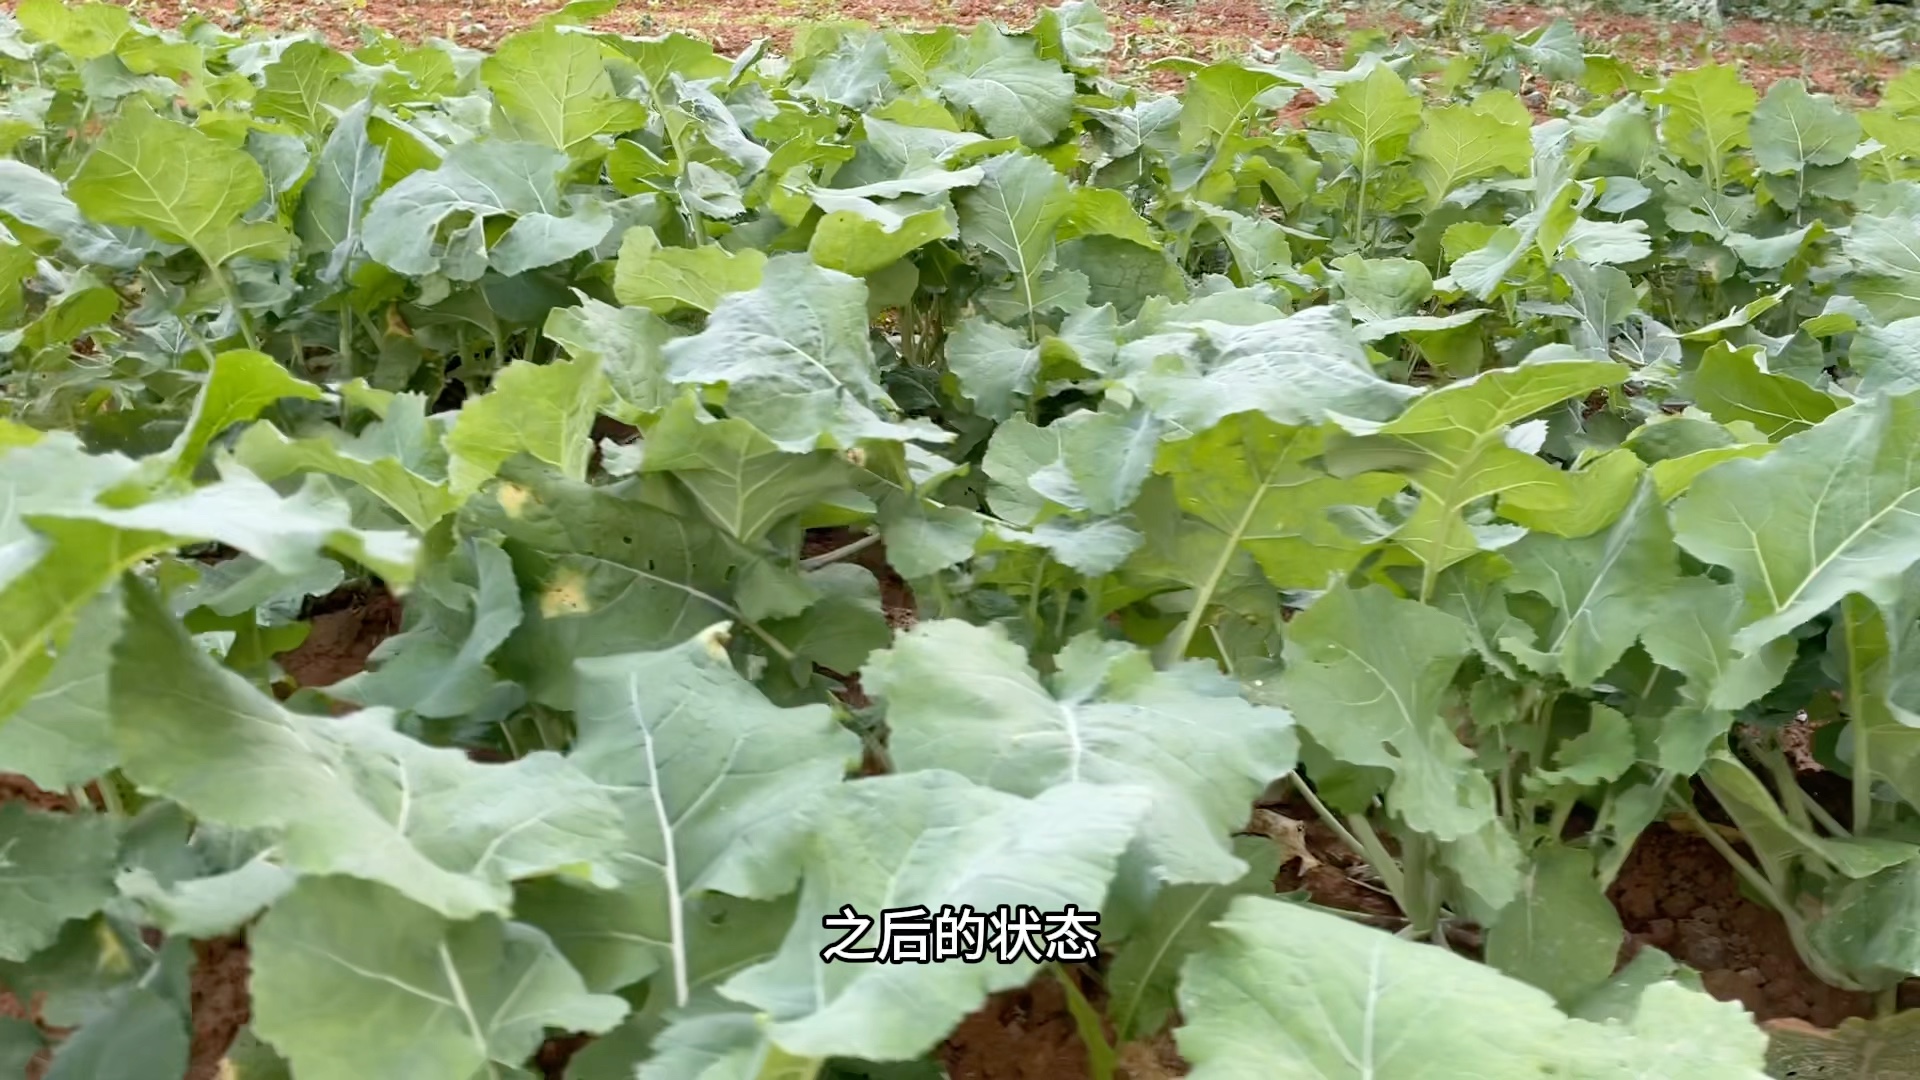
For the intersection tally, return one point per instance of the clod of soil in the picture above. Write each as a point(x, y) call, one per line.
point(346, 628)
point(221, 1002)
point(1678, 895)
point(1024, 1034)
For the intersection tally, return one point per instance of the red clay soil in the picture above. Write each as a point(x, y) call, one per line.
point(1024, 1034)
point(1144, 30)
point(221, 1003)
point(1679, 895)
point(346, 627)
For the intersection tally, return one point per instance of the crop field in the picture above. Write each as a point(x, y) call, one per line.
point(664, 542)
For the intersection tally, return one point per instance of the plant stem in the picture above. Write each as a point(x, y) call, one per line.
point(1383, 863)
point(110, 796)
point(1086, 1019)
point(1857, 696)
point(844, 551)
point(232, 294)
point(1327, 816)
point(1789, 785)
point(345, 347)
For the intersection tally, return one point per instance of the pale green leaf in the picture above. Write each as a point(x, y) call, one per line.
point(552, 87)
point(1103, 717)
point(343, 795)
point(662, 279)
point(353, 981)
point(1307, 993)
point(1604, 590)
point(713, 780)
point(931, 838)
point(176, 182)
point(1562, 935)
point(796, 360)
point(1835, 510)
point(1366, 677)
point(53, 867)
point(544, 410)
point(1002, 81)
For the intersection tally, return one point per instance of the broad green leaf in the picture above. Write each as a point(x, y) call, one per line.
point(662, 279)
point(603, 573)
point(1301, 369)
point(1014, 93)
point(1222, 99)
point(476, 181)
point(1366, 677)
point(439, 669)
point(1732, 386)
point(1865, 925)
point(1461, 143)
point(241, 385)
point(552, 88)
point(36, 199)
point(1604, 590)
point(545, 411)
point(346, 176)
point(627, 344)
point(1831, 512)
point(996, 365)
point(854, 75)
point(1562, 935)
point(1792, 129)
point(1887, 357)
point(795, 359)
point(353, 980)
point(929, 838)
point(854, 243)
point(1179, 920)
point(179, 184)
point(53, 867)
point(60, 736)
point(344, 795)
point(368, 460)
point(1453, 447)
point(299, 86)
point(84, 31)
point(1252, 484)
point(713, 780)
point(1378, 113)
point(742, 481)
point(1691, 631)
point(1291, 989)
point(1013, 214)
point(1708, 110)
point(1103, 717)
point(1074, 32)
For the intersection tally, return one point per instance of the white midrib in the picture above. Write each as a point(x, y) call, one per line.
point(670, 868)
point(460, 1001)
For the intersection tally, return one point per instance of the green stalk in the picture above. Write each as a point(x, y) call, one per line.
point(1858, 695)
point(232, 294)
point(1086, 1020)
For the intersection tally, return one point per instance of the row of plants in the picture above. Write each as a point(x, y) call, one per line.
point(1464, 473)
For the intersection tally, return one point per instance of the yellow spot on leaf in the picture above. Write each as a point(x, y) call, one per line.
point(566, 594)
point(514, 499)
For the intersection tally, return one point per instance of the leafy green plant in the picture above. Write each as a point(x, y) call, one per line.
point(1466, 474)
